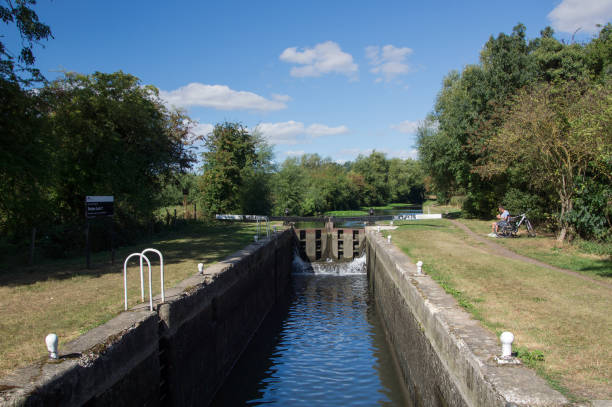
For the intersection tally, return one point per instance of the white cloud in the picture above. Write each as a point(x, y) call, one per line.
point(295, 153)
point(388, 62)
point(324, 58)
point(219, 97)
point(281, 98)
point(292, 132)
point(318, 130)
point(202, 129)
point(571, 15)
point(406, 126)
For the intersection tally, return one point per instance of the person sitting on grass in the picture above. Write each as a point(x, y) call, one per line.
point(503, 220)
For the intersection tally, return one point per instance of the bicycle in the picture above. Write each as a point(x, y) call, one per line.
point(511, 227)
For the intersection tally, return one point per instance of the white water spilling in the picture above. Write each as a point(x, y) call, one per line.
point(356, 266)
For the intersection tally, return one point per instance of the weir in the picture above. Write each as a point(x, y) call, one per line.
point(181, 353)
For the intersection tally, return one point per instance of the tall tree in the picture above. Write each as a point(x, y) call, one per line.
point(231, 152)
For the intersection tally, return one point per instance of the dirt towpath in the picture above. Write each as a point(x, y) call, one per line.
point(499, 250)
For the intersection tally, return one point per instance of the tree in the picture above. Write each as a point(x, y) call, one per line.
point(289, 187)
point(31, 31)
point(559, 134)
point(230, 162)
point(374, 169)
point(113, 137)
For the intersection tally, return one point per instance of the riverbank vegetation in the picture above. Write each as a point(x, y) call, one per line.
point(560, 321)
point(528, 127)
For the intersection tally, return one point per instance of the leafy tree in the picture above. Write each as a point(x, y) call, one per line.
point(114, 136)
point(235, 171)
point(19, 68)
point(406, 181)
point(289, 185)
point(26, 161)
point(560, 134)
point(374, 169)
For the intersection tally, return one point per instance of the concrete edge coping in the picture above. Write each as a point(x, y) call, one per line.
point(517, 384)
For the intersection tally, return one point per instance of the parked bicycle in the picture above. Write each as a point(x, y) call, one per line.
point(511, 228)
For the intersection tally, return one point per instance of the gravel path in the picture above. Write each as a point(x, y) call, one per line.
point(499, 250)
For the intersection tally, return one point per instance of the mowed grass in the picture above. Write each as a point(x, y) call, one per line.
point(565, 318)
point(65, 298)
point(546, 249)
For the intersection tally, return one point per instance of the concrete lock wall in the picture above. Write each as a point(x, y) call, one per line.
point(178, 354)
point(446, 358)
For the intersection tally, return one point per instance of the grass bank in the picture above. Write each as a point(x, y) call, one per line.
point(65, 298)
point(561, 323)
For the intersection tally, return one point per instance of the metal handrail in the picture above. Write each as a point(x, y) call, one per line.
point(161, 266)
point(141, 279)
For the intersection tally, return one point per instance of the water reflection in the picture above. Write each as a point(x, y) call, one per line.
point(325, 346)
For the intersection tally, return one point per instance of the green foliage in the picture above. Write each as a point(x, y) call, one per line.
point(311, 185)
point(591, 213)
point(20, 69)
point(99, 134)
point(236, 167)
point(556, 99)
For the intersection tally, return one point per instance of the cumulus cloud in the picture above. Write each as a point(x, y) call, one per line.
point(407, 126)
point(295, 153)
point(324, 58)
point(202, 130)
point(571, 15)
point(319, 130)
point(220, 97)
point(292, 132)
point(388, 62)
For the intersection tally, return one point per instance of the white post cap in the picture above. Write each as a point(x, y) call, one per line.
point(51, 341)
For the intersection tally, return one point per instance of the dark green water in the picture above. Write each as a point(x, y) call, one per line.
point(324, 346)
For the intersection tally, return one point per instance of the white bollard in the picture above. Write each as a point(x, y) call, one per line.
point(391, 223)
point(419, 267)
point(200, 268)
point(255, 237)
point(378, 229)
point(506, 339)
point(51, 341)
point(388, 238)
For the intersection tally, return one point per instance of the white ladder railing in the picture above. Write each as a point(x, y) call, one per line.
point(142, 256)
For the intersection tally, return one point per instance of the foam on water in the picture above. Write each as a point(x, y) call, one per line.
point(356, 266)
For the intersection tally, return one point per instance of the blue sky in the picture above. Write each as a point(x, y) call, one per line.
point(338, 78)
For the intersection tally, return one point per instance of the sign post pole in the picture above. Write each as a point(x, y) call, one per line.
point(87, 246)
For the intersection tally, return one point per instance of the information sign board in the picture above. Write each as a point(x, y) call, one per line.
point(99, 206)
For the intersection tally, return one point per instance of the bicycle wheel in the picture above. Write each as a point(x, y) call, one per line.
point(530, 230)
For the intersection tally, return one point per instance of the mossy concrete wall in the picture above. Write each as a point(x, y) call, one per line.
point(446, 357)
point(178, 354)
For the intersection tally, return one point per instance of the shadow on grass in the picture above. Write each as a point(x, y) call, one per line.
point(207, 243)
point(603, 268)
